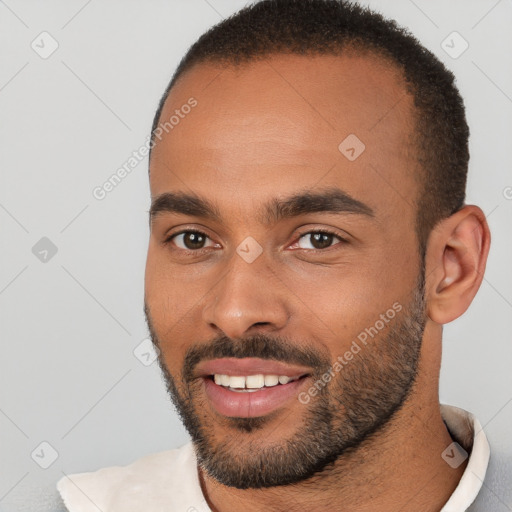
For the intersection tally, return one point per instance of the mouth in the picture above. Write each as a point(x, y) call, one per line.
point(250, 387)
point(251, 383)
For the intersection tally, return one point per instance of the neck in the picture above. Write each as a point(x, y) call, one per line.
point(398, 468)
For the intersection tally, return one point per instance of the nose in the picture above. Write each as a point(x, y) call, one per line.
point(249, 296)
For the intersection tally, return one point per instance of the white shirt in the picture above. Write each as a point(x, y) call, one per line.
point(168, 481)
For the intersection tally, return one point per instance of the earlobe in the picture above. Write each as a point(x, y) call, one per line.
point(456, 258)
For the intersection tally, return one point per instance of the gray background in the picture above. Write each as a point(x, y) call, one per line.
point(70, 324)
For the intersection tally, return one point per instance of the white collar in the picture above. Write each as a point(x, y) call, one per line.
point(469, 434)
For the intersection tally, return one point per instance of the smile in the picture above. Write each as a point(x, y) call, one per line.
point(251, 383)
point(250, 387)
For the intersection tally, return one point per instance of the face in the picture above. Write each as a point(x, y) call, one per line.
point(284, 287)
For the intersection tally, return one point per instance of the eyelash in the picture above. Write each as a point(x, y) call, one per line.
point(203, 249)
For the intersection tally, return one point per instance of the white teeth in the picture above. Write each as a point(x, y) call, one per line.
point(254, 381)
point(237, 382)
point(271, 380)
point(251, 382)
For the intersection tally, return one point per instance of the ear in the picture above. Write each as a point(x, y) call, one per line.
point(455, 263)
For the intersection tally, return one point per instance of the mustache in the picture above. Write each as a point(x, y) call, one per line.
point(258, 345)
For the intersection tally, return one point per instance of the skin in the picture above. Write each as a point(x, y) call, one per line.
point(270, 129)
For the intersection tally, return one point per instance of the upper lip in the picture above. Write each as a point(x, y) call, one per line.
point(234, 366)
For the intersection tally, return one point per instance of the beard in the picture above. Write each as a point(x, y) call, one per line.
point(359, 401)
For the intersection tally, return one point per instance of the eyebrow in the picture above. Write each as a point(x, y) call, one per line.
point(330, 200)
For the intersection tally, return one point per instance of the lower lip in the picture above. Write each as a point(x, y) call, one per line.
point(253, 403)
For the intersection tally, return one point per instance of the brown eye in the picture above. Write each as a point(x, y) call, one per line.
point(193, 240)
point(189, 240)
point(317, 240)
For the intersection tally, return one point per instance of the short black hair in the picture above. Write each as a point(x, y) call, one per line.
point(332, 27)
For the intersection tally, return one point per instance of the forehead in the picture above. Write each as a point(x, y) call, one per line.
point(288, 121)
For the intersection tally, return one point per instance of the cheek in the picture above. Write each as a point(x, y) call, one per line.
point(347, 307)
point(338, 304)
point(163, 287)
point(163, 304)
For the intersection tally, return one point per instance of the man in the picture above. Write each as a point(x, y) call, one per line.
point(309, 239)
